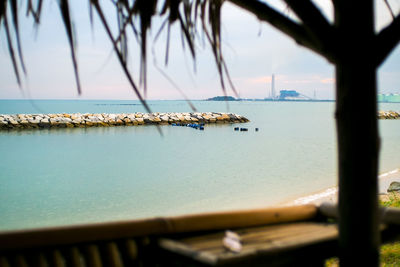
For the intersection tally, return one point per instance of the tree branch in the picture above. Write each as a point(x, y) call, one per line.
point(315, 22)
point(387, 39)
point(294, 30)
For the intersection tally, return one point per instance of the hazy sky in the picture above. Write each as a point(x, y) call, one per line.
point(253, 51)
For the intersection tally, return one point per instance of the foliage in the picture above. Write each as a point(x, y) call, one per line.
point(389, 256)
point(393, 200)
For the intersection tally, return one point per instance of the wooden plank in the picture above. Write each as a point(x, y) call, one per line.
point(182, 249)
point(73, 257)
point(130, 250)
point(20, 261)
point(232, 220)
point(250, 235)
point(155, 226)
point(256, 242)
point(290, 242)
point(275, 241)
point(42, 260)
point(57, 260)
point(4, 262)
point(92, 256)
point(113, 255)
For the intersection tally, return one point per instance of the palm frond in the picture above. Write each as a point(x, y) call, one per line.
point(136, 15)
point(65, 14)
point(14, 13)
point(10, 45)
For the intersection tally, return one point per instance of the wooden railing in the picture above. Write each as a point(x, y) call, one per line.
point(277, 236)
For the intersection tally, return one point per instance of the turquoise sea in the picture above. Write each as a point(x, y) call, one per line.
point(70, 176)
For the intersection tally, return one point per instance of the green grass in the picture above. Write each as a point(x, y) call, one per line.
point(393, 201)
point(390, 253)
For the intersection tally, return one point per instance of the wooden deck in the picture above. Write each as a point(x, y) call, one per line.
point(306, 242)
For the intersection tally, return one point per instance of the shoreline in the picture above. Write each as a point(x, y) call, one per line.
point(330, 194)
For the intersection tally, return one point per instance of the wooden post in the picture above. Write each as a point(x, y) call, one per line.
point(358, 141)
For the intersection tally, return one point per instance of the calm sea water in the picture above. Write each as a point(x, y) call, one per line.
point(69, 176)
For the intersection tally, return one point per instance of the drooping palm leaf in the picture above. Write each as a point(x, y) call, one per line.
point(10, 45)
point(14, 13)
point(35, 12)
point(136, 14)
point(65, 14)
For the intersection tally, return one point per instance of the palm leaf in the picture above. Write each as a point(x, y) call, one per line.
point(65, 14)
point(11, 45)
point(137, 15)
point(118, 53)
point(14, 12)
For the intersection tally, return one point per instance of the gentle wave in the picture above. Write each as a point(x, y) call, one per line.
point(327, 193)
point(389, 173)
point(330, 193)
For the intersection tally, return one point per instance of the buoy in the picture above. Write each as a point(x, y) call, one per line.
point(256, 129)
point(236, 128)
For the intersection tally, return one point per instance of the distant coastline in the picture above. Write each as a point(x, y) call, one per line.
point(231, 98)
point(380, 99)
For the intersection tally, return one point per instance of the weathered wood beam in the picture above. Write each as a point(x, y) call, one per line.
point(71, 234)
point(387, 39)
point(386, 215)
point(315, 23)
point(297, 31)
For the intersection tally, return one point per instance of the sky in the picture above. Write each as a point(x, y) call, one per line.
point(252, 49)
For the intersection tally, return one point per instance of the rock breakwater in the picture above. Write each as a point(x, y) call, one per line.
point(32, 121)
point(389, 115)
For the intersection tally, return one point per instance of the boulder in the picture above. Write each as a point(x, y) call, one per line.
point(140, 121)
point(156, 119)
point(165, 118)
point(394, 187)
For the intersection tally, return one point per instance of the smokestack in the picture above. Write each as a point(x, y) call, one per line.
point(273, 87)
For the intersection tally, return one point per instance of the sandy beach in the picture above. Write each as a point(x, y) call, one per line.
point(330, 194)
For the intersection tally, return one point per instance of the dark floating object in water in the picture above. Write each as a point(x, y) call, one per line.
point(191, 125)
point(236, 128)
point(256, 129)
point(244, 129)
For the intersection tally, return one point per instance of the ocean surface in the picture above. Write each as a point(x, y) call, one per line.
point(70, 176)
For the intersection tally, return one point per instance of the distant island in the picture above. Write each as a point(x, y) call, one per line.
point(294, 96)
point(222, 98)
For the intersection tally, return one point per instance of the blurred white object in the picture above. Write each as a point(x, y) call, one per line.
point(231, 241)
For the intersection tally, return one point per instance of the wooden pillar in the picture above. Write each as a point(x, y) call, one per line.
point(358, 140)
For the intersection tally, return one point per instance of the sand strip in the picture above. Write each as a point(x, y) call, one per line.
point(330, 194)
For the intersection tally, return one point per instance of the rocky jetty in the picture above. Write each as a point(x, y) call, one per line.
point(31, 121)
point(389, 115)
